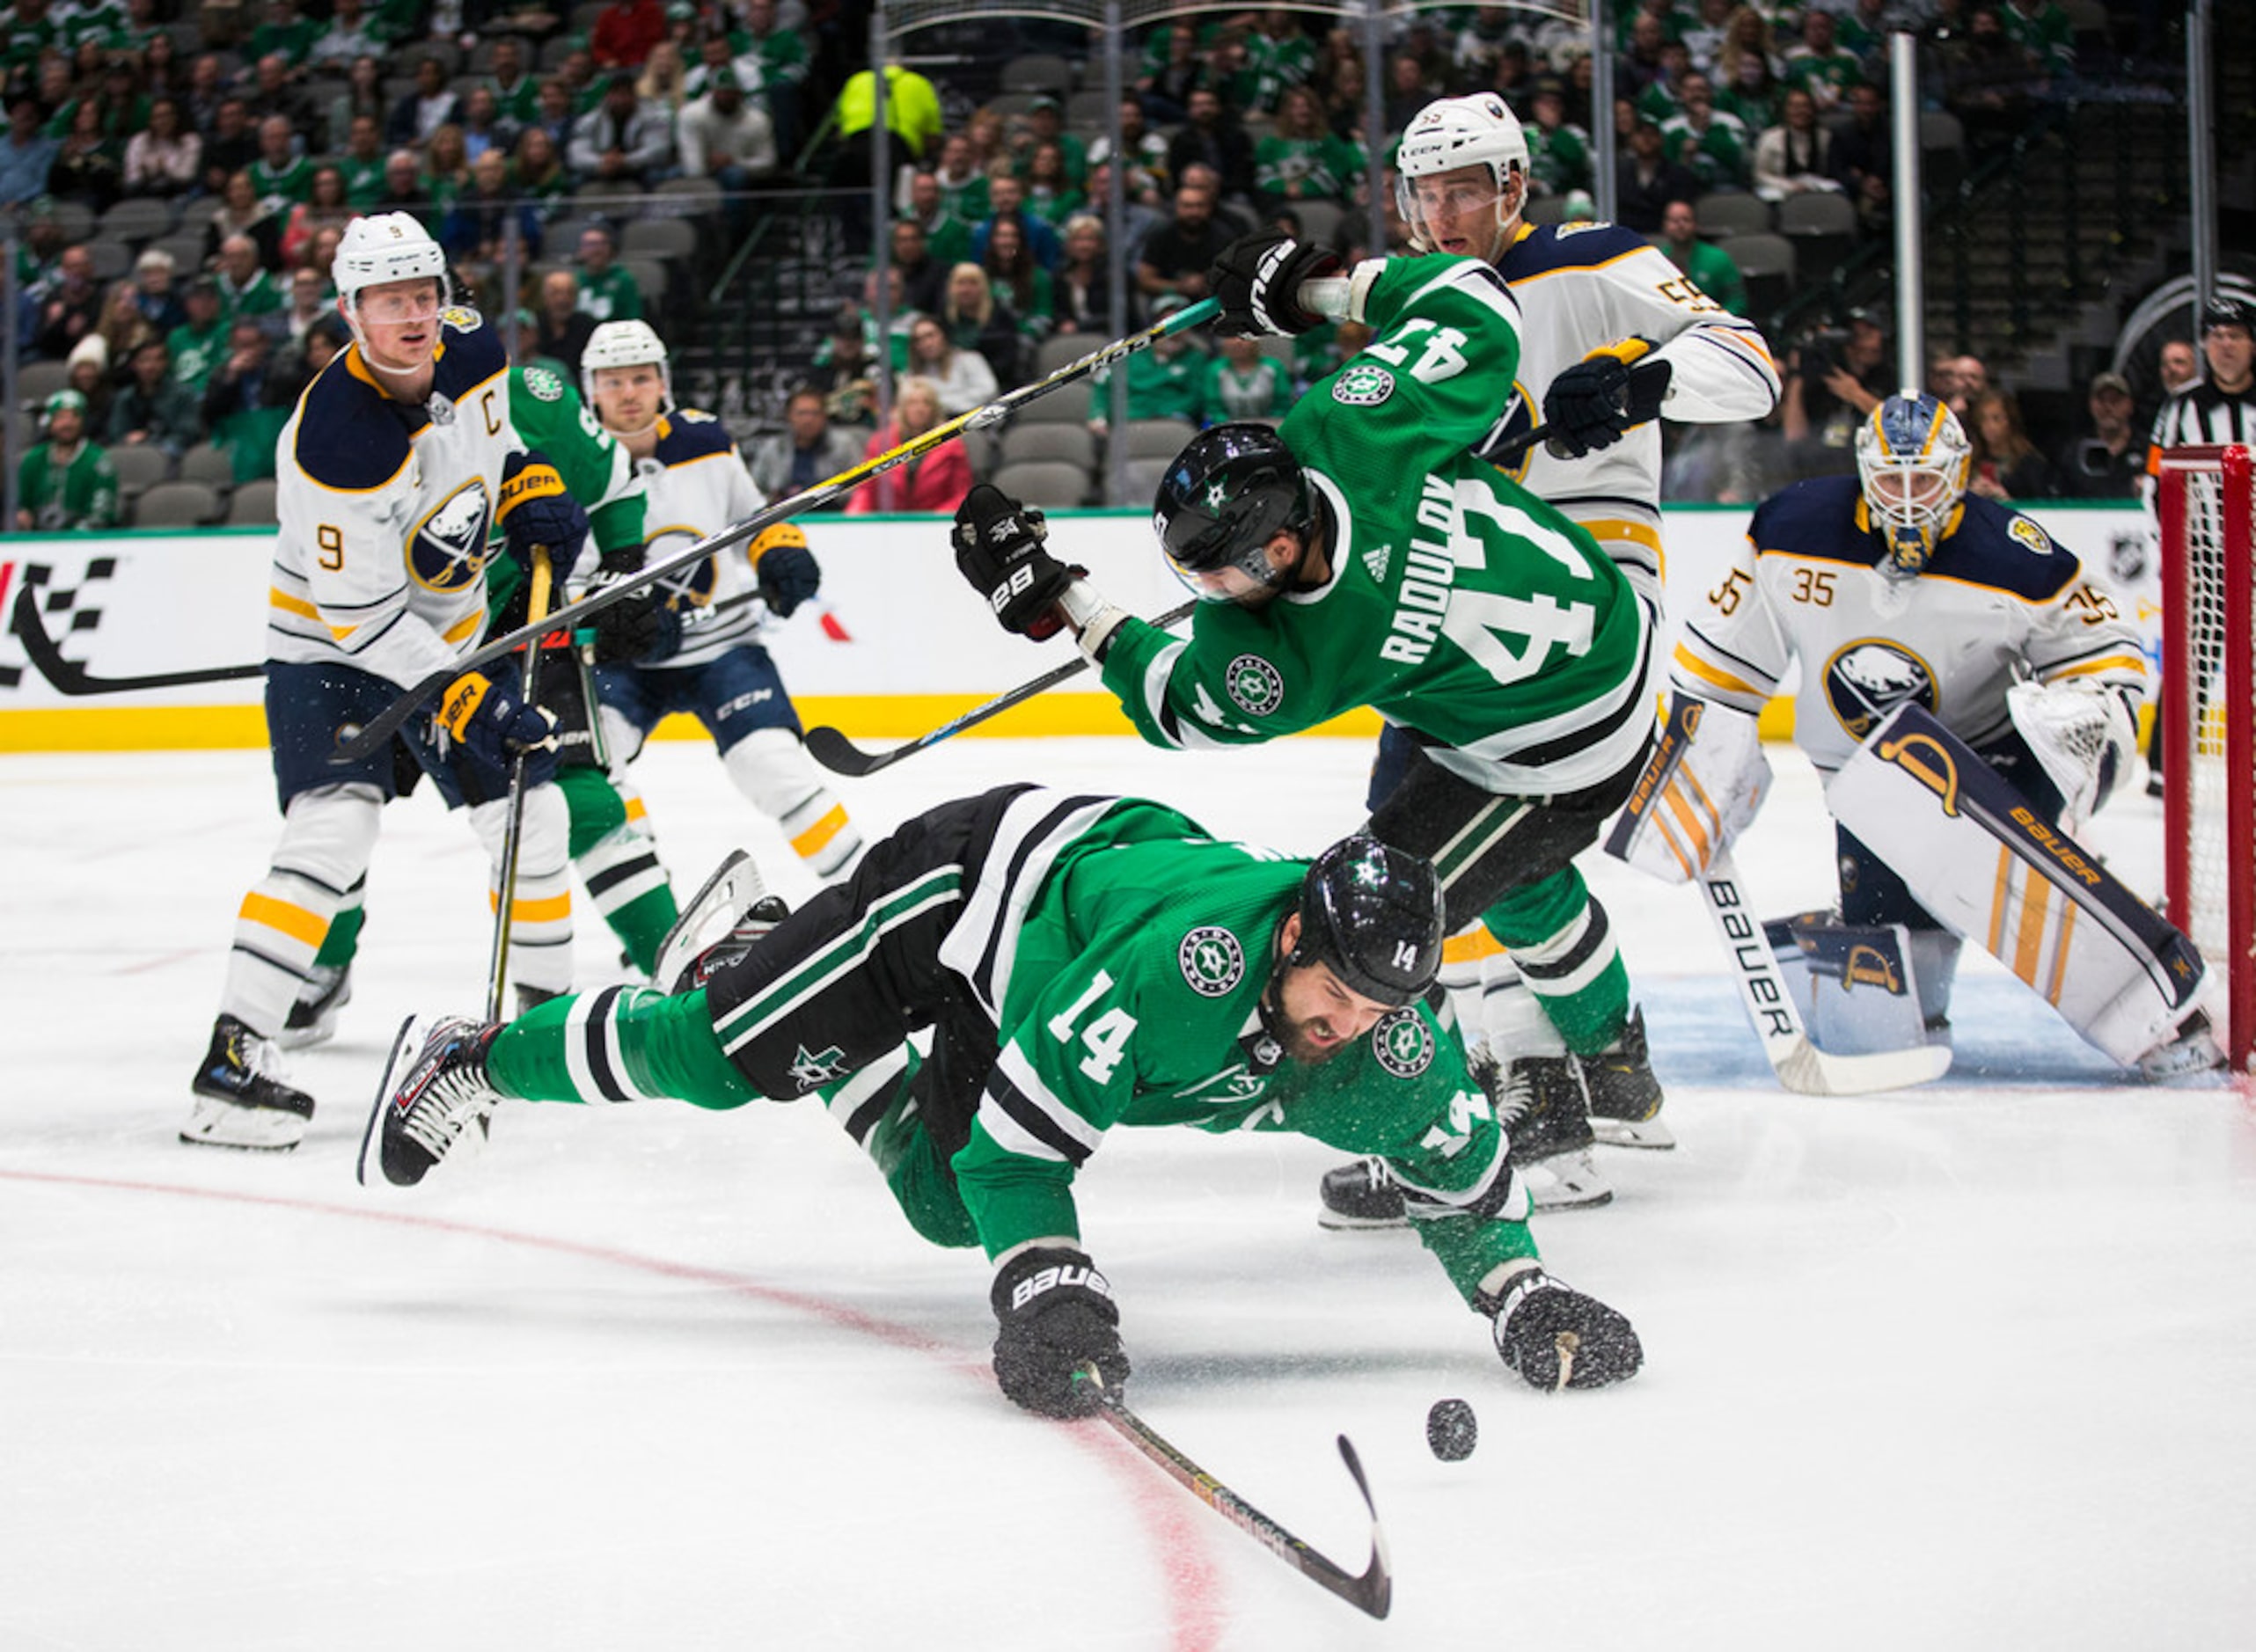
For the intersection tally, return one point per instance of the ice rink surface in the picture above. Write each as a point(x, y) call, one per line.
point(1963, 1367)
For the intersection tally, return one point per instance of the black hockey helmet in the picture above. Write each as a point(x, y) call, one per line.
point(1225, 497)
point(1373, 913)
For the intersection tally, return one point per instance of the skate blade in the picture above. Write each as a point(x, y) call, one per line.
point(1650, 1134)
point(1338, 1224)
point(1565, 1182)
point(367, 1168)
point(217, 1124)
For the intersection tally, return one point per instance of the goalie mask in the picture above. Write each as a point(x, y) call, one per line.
point(1913, 460)
point(1454, 133)
point(1222, 501)
point(1373, 915)
point(627, 344)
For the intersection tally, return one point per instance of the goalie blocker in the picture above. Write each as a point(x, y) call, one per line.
point(1975, 852)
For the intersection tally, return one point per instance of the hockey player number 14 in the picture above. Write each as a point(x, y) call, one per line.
point(1106, 1038)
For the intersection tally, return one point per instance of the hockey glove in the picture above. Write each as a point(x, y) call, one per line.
point(1257, 280)
point(998, 549)
point(788, 574)
point(535, 510)
point(1057, 1315)
point(1558, 1338)
point(1592, 403)
point(493, 724)
point(638, 629)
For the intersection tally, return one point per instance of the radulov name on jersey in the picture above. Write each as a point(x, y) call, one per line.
point(1429, 575)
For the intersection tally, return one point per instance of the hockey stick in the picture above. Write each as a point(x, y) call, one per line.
point(1373, 1592)
point(513, 833)
point(68, 677)
point(387, 722)
point(1802, 1067)
point(835, 752)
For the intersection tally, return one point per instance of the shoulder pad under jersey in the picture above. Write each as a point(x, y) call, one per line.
point(1552, 247)
point(691, 434)
point(1995, 545)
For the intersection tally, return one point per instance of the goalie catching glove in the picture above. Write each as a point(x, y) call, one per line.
point(495, 726)
point(1256, 280)
point(1057, 1315)
point(1557, 1338)
point(2083, 733)
point(1592, 403)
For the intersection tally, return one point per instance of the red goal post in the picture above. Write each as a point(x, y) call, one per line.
point(2205, 504)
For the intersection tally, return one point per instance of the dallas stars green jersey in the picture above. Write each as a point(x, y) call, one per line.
point(66, 495)
point(551, 419)
point(1457, 604)
point(1129, 994)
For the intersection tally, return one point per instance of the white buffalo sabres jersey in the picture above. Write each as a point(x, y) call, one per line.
point(1584, 286)
point(384, 507)
point(697, 484)
point(2000, 601)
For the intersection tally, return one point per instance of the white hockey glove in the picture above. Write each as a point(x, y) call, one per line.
point(1701, 788)
point(2083, 733)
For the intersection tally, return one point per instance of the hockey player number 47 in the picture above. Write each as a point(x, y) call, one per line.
point(1479, 622)
point(1441, 358)
point(1105, 1038)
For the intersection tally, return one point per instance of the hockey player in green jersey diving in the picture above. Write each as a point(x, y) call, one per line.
point(1080, 962)
point(1359, 555)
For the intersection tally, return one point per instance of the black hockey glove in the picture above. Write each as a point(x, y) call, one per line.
point(998, 549)
point(1592, 403)
point(1541, 1325)
point(1257, 279)
point(1057, 1315)
point(638, 629)
point(535, 510)
point(494, 724)
point(786, 569)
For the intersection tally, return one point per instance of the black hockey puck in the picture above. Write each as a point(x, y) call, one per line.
point(1450, 1430)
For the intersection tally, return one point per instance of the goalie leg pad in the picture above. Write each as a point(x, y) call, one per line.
point(1701, 788)
point(1858, 983)
point(1977, 856)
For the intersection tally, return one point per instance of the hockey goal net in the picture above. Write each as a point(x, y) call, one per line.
point(2208, 710)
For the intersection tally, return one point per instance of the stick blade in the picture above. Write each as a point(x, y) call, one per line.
point(840, 756)
point(1809, 1071)
point(1374, 1590)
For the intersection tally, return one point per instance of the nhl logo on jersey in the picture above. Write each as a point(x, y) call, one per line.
point(1868, 678)
point(448, 551)
point(1402, 1044)
point(1255, 684)
point(1362, 385)
point(1211, 961)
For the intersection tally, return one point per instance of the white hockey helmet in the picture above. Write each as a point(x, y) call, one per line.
point(626, 344)
point(385, 246)
point(1913, 460)
point(1453, 132)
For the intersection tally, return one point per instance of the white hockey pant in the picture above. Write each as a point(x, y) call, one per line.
point(770, 767)
point(328, 835)
point(540, 908)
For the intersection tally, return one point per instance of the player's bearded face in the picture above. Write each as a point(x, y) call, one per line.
point(1316, 1015)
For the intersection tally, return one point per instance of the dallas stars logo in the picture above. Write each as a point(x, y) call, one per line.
point(1402, 1044)
point(1255, 684)
point(1216, 497)
point(1211, 961)
point(1362, 385)
point(813, 1071)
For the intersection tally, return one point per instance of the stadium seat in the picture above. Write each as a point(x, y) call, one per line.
point(177, 505)
point(1767, 261)
point(984, 448)
point(1052, 484)
point(36, 381)
point(1069, 442)
point(1062, 349)
point(137, 219)
point(1088, 110)
point(1068, 404)
point(659, 237)
point(1729, 213)
point(110, 259)
point(1823, 228)
point(690, 197)
point(1157, 438)
point(1143, 481)
point(252, 505)
point(140, 466)
point(1320, 220)
point(212, 465)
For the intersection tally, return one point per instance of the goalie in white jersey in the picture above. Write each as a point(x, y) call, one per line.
point(697, 484)
point(1896, 589)
point(398, 459)
point(1613, 337)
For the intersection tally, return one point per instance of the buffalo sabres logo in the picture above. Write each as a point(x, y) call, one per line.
point(1402, 1044)
point(1362, 385)
point(1868, 679)
point(448, 551)
point(1211, 961)
point(687, 591)
point(1254, 683)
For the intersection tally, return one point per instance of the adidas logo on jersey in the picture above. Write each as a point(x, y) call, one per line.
point(1376, 559)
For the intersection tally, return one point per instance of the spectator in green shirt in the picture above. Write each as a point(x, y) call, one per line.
point(1244, 382)
point(1709, 266)
point(1165, 380)
point(198, 343)
point(285, 34)
point(608, 290)
point(516, 92)
point(65, 484)
point(1302, 159)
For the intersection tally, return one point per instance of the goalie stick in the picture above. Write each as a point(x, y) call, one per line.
point(68, 677)
point(1373, 1592)
point(387, 722)
point(1802, 1067)
point(835, 752)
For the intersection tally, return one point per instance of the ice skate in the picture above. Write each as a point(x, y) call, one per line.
point(433, 1092)
point(2191, 1051)
point(1625, 1098)
point(313, 1017)
point(1541, 1104)
point(240, 1101)
point(1360, 1195)
point(720, 924)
